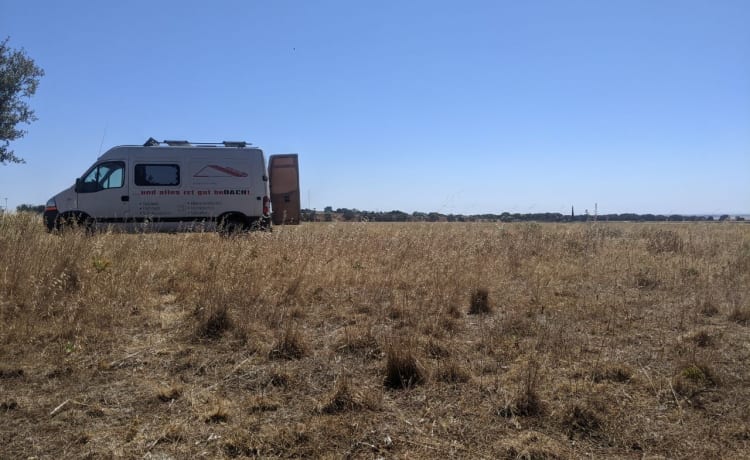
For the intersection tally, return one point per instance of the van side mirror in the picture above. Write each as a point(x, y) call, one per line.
point(78, 185)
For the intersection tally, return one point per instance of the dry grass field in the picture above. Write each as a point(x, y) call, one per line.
point(377, 341)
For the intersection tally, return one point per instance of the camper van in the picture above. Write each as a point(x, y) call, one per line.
point(169, 186)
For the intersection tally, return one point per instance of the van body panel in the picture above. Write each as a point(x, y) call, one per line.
point(283, 172)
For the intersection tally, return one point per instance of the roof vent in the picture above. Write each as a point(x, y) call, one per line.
point(176, 143)
point(151, 142)
point(239, 144)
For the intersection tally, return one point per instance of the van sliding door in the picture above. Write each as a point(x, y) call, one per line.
point(283, 173)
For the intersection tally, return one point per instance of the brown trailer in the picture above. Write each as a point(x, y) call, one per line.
point(283, 172)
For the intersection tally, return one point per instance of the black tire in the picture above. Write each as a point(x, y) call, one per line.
point(265, 224)
point(231, 226)
point(73, 221)
point(261, 224)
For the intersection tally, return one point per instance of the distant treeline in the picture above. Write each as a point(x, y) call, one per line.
point(30, 208)
point(344, 214)
point(355, 215)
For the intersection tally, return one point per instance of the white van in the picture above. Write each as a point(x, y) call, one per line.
point(169, 186)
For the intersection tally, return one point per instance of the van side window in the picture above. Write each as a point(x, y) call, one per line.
point(150, 175)
point(104, 176)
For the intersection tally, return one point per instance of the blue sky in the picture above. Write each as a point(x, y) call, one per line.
point(456, 107)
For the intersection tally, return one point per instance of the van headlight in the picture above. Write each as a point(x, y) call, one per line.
point(51, 205)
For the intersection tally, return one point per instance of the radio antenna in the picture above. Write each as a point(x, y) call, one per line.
point(102, 142)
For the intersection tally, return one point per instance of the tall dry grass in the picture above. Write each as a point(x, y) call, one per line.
point(358, 340)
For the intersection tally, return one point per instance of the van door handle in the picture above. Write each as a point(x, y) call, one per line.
point(125, 198)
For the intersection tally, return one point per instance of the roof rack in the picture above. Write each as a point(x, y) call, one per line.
point(151, 142)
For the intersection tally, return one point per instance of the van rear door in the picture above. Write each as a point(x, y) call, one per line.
point(283, 173)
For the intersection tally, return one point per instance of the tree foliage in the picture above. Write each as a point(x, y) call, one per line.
point(37, 208)
point(19, 78)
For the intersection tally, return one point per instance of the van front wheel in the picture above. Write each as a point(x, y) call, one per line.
point(71, 221)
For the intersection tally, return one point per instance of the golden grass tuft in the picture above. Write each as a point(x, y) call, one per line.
point(172, 433)
point(13, 373)
point(613, 372)
point(703, 339)
point(213, 323)
point(693, 379)
point(526, 401)
point(239, 446)
point(437, 350)
point(347, 397)
point(708, 308)
point(480, 302)
point(402, 369)
point(7, 406)
point(660, 241)
point(289, 345)
point(259, 404)
point(740, 315)
point(359, 341)
point(452, 371)
point(533, 445)
point(581, 419)
point(169, 393)
point(218, 413)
